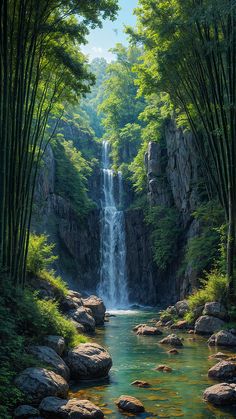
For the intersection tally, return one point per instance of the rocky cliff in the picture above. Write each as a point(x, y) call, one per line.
point(173, 174)
point(77, 241)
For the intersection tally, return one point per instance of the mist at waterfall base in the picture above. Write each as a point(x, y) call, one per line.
point(113, 274)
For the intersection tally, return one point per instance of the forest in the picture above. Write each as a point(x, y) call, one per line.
point(117, 209)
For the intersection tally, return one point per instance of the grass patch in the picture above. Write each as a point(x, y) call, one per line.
point(56, 282)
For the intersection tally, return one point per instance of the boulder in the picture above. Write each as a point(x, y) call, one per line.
point(55, 408)
point(55, 342)
point(25, 411)
point(50, 357)
point(141, 384)
point(172, 340)
point(221, 394)
point(215, 309)
point(222, 338)
point(89, 361)
point(205, 325)
point(37, 383)
point(84, 316)
point(97, 307)
point(148, 330)
point(223, 371)
point(182, 307)
point(197, 312)
point(130, 404)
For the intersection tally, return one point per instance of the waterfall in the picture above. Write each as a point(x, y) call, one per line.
point(113, 277)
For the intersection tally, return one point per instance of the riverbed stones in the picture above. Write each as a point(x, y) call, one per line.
point(89, 361)
point(37, 383)
point(205, 325)
point(96, 305)
point(55, 408)
point(50, 357)
point(223, 371)
point(141, 384)
point(84, 316)
point(222, 338)
point(25, 411)
point(181, 325)
point(148, 330)
point(173, 351)
point(164, 368)
point(130, 404)
point(172, 340)
point(57, 343)
point(215, 309)
point(221, 394)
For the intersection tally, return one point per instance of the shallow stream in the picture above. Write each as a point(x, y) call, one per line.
point(171, 395)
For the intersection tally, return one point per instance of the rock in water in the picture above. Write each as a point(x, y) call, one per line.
point(172, 340)
point(141, 384)
point(55, 342)
point(222, 338)
point(26, 411)
point(205, 325)
point(130, 404)
point(224, 370)
point(148, 330)
point(164, 368)
point(97, 307)
point(37, 383)
point(88, 361)
point(55, 408)
point(50, 357)
point(221, 394)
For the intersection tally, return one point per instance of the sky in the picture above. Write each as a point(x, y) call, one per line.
point(100, 41)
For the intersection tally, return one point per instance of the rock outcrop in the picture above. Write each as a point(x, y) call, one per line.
point(97, 308)
point(223, 371)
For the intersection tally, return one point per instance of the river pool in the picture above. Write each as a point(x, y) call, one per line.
point(171, 395)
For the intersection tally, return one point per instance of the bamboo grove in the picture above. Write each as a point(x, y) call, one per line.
point(190, 54)
point(41, 69)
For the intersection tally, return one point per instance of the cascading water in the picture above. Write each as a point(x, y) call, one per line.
point(113, 277)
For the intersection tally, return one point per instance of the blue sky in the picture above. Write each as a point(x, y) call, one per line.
point(101, 40)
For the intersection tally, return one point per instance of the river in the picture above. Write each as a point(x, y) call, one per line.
point(171, 395)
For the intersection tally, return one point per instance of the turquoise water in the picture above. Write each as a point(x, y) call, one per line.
point(171, 395)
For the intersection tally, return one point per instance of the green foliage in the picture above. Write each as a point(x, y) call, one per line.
point(56, 282)
point(203, 250)
point(72, 172)
point(40, 254)
point(213, 288)
point(164, 234)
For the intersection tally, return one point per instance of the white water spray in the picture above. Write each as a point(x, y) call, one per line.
point(113, 276)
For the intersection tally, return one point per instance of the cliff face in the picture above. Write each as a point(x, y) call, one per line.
point(172, 174)
point(77, 242)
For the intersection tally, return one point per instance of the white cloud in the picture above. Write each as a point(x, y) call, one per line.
point(97, 52)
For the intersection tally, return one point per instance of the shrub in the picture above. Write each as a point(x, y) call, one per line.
point(213, 288)
point(203, 250)
point(164, 234)
point(40, 254)
point(56, 281)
